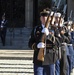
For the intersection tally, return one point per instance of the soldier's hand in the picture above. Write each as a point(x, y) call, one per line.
point(45, 30)
point(41, 45)
point(2, 22)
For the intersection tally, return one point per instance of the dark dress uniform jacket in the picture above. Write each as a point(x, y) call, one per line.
point(34, 40)
point(3, 30)
point(64, 59)
point(4, 26)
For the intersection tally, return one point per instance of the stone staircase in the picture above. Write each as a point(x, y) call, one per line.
point(16, 57)
point(16, 62)
point(17, 38)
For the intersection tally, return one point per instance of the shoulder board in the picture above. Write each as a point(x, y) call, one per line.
point(37, 27)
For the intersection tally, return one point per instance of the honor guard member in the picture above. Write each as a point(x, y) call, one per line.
point(3, 29)
point(45, 67)
point(64, 66)
point(72, 42)
point(72, 34)
point(34, 40)
point(70, 47)
point(57, 16)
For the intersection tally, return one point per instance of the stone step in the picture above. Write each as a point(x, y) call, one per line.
point(11, 62)
point(16, 54)
point(16, 51)
point(16, 67)
point(15, 62)
point(16, 74)
point(10, 46)
point(23, 55)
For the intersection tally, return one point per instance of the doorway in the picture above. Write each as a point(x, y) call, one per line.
point(15, 12)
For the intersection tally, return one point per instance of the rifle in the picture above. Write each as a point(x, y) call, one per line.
point(43, 36)
point(58, 4)
point(55, 9)
point(63, 13)
point(64, 10)
point(41, 51)
point(69, 19)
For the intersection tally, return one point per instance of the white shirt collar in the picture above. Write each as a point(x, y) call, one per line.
point(43, 26)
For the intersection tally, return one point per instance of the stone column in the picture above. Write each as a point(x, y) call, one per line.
point(28, 13)
point(70, 4)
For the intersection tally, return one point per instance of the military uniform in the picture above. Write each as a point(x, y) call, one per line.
point(64, 66)
point(33, 41)
point(50, 49)
point(3, 29)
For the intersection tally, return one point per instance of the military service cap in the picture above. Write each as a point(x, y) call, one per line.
point(45, 12)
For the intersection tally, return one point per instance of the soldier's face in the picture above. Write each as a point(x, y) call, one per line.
point(3, 18)
point(61, 22)
point(56, 19)
point(44, 18)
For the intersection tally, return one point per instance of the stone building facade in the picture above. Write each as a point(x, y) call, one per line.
point(24, 13)
point(29, 13)
point(70, 8)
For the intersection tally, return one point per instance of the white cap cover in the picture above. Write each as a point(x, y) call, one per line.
point(57, 14)
point(51, 13)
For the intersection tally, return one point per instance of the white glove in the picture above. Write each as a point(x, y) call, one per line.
point(45, 30)
point(41, 45)
point(2, 21)
point(70, 22)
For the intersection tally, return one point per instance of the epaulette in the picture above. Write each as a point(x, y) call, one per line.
point(37, 27)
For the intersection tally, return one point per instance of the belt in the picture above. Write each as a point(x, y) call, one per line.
point(69, 44)
point(51, 51)
point(63, 44)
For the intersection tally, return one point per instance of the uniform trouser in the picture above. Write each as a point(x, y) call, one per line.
point(72, 41)
point(64, 68)
point(49, 69)
point(38, 70)
point(69, 64)
point(57, 67)
point(69, 55)
point(3, 39)
point(3, 35)
point(71, 52)
point(68, 60)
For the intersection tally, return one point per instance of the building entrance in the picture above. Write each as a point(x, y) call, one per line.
point(15, 12)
